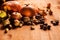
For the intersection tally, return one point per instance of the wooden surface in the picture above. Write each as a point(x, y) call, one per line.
point(25, 33)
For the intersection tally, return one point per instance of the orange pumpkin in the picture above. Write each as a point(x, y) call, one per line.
point(27, 11)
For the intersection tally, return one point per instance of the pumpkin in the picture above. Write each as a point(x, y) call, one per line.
point(27, 11)
point(12, 6)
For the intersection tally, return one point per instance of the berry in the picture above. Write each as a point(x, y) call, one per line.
point(41, 26)
point(32, 28)
point(48, 27)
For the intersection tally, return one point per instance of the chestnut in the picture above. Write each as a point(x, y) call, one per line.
point(6, 30)
point(21, 25)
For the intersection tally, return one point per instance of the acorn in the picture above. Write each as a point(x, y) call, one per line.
point(16, 15)
point(6, 22)
point(6, 30)
point(16, 22)
point(21, 24)
point(32, 28)
point(26, 19)
point(10, 26)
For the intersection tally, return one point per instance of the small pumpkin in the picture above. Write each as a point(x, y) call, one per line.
point(12, 6)
point(27, 11)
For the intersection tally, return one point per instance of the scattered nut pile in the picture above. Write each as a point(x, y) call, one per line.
point(13, 16)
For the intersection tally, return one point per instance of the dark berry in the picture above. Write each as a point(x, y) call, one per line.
point(50, 12)
point(32, 28)
point(44, 27)
point(41, 22)
point(41, 26)
point(38, 16)
point(48, 27)
point(45, 24)
point(37, 22)
point(55, 23)
point(6, 30)
point(52, 22)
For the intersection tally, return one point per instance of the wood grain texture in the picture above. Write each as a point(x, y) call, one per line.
point(25, 33)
